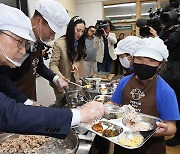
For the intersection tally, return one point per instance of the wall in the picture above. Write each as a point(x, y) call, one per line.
point(90, 10)
point(68, 5)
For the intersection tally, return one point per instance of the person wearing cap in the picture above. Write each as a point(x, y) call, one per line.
point(125, 49)
point(48, 19)
point(69, 51)
point(148, 93)
point(16, 117)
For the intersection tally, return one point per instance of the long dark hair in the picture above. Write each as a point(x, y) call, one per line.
point(70, 33)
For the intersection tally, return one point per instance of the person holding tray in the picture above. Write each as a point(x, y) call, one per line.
point(148, 93)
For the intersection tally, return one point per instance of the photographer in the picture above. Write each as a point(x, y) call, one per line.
point(171, 36)
point(172, 76)
point(169, 32)
point(104, 43)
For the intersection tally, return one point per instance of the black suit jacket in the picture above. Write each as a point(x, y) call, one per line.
point(15, 117)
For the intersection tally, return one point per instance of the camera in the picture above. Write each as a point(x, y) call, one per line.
point(170, 13)
point(100, 25)
point(160, 20)
point(144, 25)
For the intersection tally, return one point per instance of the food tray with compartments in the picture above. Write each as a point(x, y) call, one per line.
point(118, 132)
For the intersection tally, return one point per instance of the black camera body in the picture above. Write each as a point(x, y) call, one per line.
point(144, 25)
point(100, 25)
point(160, 20)
point(170, 17)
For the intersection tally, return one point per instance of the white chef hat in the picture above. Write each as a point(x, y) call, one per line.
point(54, 13)
point(127, 45)
point(15, 21)
point(152, 48)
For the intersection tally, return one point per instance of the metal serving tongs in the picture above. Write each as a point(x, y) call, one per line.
point(84, 87)
point(76, 84)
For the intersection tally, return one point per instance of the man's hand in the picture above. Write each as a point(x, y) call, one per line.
point(153, 32)
point(91, 111)
point(105, 34)
point(62, 83)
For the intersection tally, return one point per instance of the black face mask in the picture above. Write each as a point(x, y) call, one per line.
point(144, 71)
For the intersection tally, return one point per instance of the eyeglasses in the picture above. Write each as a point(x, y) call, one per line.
point(21, 43)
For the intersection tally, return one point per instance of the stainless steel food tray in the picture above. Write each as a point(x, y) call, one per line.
point(55, 146)
point(119, 122)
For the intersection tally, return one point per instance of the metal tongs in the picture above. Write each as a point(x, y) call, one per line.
point(84, 87)
point(76, 84)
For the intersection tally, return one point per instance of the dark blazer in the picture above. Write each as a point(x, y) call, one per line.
point(18, 118)
point(9, 75)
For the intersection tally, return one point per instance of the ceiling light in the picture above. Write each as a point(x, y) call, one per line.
point(124, 15)
point(120, 5)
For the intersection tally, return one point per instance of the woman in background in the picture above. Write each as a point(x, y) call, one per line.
point(67, 53)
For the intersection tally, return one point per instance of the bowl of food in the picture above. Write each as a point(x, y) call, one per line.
point(130, 139)
point(142, 123)
point(102, 98)
point(94, 82)
point(105, 89)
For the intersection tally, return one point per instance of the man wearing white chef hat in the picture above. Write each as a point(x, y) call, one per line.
point(16, 117)
point(55, 18)
point(48, 19)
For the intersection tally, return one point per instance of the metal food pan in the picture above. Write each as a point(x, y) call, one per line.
point(55, 146)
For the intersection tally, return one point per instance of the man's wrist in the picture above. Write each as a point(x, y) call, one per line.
point(55, 79)
point(76, 118)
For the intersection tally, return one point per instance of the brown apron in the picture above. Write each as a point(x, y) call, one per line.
point(142, 96)
point(27, 84)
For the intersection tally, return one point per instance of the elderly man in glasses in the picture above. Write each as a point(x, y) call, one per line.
point(16, 117)
point(20, 83)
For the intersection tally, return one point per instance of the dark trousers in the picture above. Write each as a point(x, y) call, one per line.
point(105, 66)
point(99, 146)
point(175, 85)
point(118, 69)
